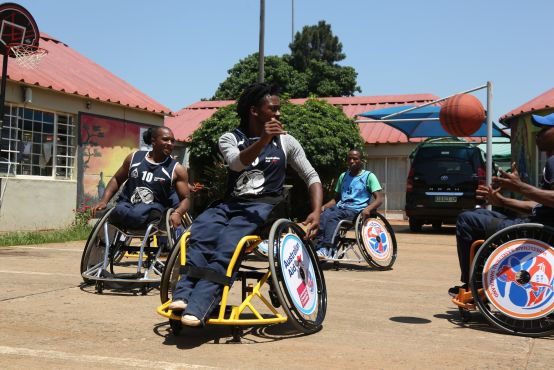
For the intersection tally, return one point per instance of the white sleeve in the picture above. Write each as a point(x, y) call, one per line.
point(297, 158)
point(228, 146)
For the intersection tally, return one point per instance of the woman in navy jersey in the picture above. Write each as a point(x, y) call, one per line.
point(153, 179)
point(257, 153)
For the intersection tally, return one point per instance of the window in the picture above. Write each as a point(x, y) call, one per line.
point(38, 143)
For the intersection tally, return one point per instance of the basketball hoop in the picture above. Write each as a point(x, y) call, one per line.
point(27, 56)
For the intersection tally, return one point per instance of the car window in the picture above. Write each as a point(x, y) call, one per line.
point(440, 166)
point(449, 152)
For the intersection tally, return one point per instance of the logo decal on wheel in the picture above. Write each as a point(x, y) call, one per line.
point(298, 274)
point(376, 239)
point(518, 278)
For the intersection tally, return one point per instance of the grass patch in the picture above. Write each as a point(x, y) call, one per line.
point(40, 237)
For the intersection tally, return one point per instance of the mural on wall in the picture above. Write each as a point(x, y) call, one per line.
point(103, 145)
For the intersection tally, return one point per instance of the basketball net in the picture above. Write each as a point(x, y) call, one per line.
point(28, 56)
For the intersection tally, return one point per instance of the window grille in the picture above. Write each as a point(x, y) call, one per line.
point(38, 143)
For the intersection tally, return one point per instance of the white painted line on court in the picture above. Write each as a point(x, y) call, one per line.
point(100, 360)
point(46, 248)
point(35, 273)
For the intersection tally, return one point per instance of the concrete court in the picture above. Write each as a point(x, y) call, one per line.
point(394, 319)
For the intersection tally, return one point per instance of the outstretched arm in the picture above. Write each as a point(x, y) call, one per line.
point(113, 185)
point(513, 182)
point(495, 198)
point(181, 185)
point(376, 202)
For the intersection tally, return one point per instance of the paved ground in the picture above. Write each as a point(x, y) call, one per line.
point(394, 319)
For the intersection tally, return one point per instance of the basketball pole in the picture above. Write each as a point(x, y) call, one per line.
point(3, 86)
point(488, 178)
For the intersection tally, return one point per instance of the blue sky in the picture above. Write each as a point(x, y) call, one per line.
point(179, 51)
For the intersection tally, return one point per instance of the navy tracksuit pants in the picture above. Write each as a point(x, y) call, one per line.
point(214, 236)
point(474, 225)
point(328, 222)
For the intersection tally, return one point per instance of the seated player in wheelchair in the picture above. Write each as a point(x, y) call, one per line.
point(538, 207)
point(151, 207)
point(257, 153)
point(353, 195)
point(154, 182)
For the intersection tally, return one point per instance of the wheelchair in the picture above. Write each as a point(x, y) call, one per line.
point(113, 257)
point(374, 242)
point(289, 278)
point(512, 280)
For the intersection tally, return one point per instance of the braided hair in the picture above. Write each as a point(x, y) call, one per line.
point(253, 96)
point(151, 133)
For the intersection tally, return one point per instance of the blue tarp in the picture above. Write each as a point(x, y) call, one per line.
point(422, 128)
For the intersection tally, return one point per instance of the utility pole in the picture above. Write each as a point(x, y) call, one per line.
point(261, 47)
point(292, 23)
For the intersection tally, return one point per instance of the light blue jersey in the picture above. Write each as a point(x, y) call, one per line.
point(356, 191)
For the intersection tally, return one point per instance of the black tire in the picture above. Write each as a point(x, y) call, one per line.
point(415, 225)
point(175, 326)
point(312, 286)
point(381, 261)
point(93, 253)
point(500, 275)
point(170, 275)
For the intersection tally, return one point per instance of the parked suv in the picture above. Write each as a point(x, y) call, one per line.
point(442, 181)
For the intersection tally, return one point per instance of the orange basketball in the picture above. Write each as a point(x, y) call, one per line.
point(462, 115)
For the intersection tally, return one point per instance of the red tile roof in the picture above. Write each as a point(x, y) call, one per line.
point(543, 101)
point(65, 70)
point(188, 119)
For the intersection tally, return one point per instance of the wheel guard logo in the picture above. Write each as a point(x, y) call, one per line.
point(298, 273)
point(518, 278)
point(376, 239)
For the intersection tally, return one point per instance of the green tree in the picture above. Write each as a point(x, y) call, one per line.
point(331, 80)
point(309, 71)
point(278, 71)
point(325, 132)
point(315, 43)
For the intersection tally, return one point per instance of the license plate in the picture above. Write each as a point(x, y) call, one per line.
point(445, 199)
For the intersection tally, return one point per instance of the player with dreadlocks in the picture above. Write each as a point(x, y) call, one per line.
point(257, 153)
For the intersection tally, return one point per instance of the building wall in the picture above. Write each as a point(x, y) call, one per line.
point(390, 163)
point(57, 101)
point(36, 202)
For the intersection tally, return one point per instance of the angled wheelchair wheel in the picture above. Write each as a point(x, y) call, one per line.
point(376, 241)
point(297, 278)
point(512, 279)
point(186, 221)
point(93, 253)
point(170, 275)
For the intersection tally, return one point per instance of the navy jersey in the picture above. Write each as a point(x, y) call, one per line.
point(265, 176)
point(150, 182)
point(541, 213)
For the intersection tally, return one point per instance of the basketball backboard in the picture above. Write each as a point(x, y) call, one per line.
point(17, 27)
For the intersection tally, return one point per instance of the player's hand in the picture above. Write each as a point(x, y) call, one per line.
point(366, 213)
point(488, 195)
point(98, 207)
point(271, 129)
point(312, 224)
point(175, 218)
point(509, 181)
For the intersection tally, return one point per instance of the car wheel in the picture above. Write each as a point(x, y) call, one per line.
point(415, 225)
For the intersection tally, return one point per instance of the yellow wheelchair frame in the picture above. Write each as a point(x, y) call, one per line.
point(277, 295)
point(234, 316)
